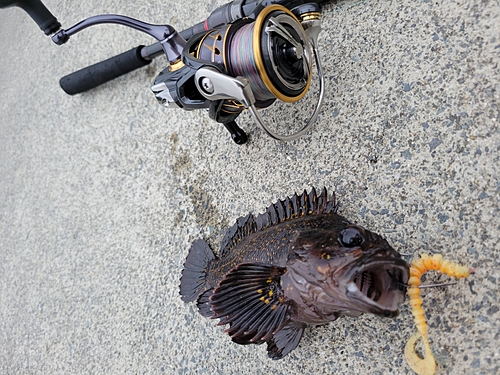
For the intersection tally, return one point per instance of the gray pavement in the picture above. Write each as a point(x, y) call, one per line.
point(101, 194)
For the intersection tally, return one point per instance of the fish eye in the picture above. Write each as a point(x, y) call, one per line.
point(351, 237)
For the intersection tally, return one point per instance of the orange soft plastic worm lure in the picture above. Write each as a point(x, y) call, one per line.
point(426, 365)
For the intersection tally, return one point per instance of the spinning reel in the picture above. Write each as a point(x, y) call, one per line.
point(247, 64)
point(245, 55)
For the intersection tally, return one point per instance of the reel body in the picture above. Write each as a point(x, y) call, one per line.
point(246, 64)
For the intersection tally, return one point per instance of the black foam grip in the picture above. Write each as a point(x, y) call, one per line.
point(104, 71)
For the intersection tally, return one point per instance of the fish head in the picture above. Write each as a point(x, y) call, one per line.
point(346, 270)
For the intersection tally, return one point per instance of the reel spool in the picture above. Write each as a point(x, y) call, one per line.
point(273, 53)
point(247, 64)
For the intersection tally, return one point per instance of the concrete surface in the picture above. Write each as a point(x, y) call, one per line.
point(102, 193)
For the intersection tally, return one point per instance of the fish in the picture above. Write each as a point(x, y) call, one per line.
point(298, 264)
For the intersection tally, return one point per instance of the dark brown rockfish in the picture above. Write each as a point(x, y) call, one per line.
point(298, 264)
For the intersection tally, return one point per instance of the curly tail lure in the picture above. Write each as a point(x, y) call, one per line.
point(426, 365)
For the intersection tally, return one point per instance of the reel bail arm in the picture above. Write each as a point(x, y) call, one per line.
point(216, 86)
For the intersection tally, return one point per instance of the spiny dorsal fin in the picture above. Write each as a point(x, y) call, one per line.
point(287, 209)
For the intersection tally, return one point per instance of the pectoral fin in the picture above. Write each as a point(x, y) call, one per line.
point(250, 300)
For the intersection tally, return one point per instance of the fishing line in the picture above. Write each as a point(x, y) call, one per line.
point(242, 61)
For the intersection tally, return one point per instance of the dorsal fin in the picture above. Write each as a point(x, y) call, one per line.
point(290, 208)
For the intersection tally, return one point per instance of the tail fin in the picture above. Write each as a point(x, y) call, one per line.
point(193, 278)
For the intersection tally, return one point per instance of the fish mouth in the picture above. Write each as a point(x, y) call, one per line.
point(378, 285)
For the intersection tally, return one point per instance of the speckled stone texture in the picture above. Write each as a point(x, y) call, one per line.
point(102, 193)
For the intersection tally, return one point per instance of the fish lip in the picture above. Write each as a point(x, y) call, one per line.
point(388, 276)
